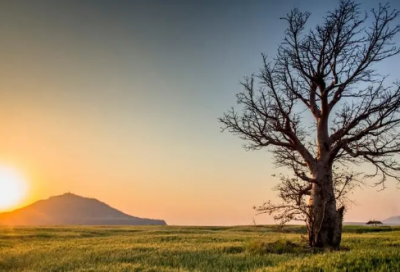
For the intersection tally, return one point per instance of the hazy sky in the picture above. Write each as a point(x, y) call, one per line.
point(119, 100)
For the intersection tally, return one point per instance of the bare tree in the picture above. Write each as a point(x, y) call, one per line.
point(326, 75)
point(294, 205)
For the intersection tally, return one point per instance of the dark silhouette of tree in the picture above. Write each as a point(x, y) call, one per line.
point(294, 205)
point(374, 223)
point(326, 75)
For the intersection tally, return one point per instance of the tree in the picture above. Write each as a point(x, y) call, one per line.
point(374, 222)
point(294, 207)
point(326, 75)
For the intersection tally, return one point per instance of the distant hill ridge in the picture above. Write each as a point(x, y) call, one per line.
point(71, 209)
point(393, 219)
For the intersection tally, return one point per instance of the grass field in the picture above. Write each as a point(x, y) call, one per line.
point(191, 249)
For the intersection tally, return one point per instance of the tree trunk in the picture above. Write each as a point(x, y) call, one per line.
point(325, 226)
point(325, 223)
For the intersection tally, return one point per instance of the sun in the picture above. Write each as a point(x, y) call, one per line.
point(13, 187)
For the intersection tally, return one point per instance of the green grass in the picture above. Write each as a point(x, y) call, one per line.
point(173, 249)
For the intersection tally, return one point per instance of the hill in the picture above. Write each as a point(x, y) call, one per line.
point(391, 220)
point(70, 209)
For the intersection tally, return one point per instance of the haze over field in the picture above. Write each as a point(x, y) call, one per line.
point(120, 103)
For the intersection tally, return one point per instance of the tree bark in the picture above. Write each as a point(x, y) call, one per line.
point(325, 228)
point(337, 236)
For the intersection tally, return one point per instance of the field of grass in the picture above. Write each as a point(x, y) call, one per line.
point(172, 249)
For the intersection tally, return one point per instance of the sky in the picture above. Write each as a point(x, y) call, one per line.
point(119, 100)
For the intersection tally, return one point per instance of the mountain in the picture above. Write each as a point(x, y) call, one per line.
point(70, 209)
point(393, 219)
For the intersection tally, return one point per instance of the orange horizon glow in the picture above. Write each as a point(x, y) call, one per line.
point(28, 187)
point(13, 187)
point(106, 102)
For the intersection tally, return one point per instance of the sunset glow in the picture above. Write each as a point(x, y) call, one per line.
point(120, 102)
point(13, 187)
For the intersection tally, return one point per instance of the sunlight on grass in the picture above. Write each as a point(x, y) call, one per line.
point(166, 248)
